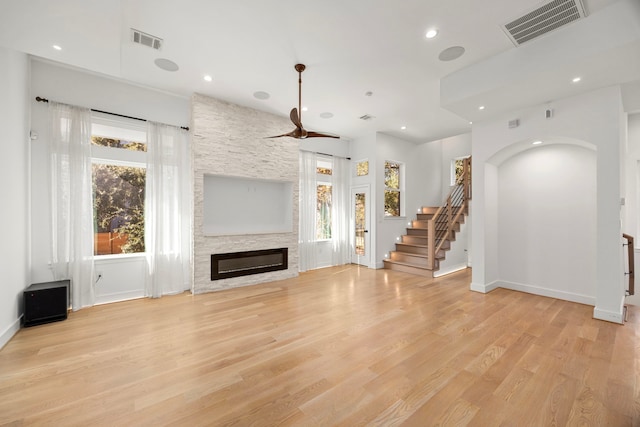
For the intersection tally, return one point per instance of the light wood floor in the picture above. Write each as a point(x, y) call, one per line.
point(340, 346)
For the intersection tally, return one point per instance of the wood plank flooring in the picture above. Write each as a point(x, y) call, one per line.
point(342, 346)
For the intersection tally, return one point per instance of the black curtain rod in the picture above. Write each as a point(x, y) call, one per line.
point(40, 99)
point(325, 154)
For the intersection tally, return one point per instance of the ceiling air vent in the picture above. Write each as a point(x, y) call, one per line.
point(366, 117)
point(544, 19)
point(146, 39)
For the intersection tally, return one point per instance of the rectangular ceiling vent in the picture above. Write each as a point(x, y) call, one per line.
point(367, 117)
point(544, 19)
point(146, 39)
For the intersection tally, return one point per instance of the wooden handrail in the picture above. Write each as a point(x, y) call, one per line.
point(631, 262)
point(440, 226)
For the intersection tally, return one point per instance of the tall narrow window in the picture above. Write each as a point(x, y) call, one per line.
point(119, 178)
point(392, 189)
point(323, 213)
point(457, 168)
point(324, 172)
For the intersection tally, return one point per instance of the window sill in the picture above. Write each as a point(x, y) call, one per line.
point(119, 257)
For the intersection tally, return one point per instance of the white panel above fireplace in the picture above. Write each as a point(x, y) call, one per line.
point(238, 205)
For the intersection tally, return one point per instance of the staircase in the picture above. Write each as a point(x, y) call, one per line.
point(430, 235)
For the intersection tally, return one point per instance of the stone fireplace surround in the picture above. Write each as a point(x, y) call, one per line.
point(229, 140)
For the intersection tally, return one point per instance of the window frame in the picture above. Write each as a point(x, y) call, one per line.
point(327, 180)
point(123, 129)
point(452, 171)
point(400, 190)
point(357, 164)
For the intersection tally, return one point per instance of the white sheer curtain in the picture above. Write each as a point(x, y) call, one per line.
point(72, 201)
point(168, 210)
point(307, 221)
point(340, 212)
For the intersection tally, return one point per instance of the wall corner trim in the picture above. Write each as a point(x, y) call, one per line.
point(608, 316)
point(482, 288)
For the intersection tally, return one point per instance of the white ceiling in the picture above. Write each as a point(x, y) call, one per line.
point(349, 46)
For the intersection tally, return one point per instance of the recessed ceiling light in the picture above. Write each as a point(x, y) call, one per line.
point(537, 142)
point(305, 109)
point(432, 33)
point(166, 64)
point(261, 95)
point(481, 107)
point(576, 79)
point(208, 78)
point(326, 115)
point(403, 127)
point(470, 123)
point(56, 47)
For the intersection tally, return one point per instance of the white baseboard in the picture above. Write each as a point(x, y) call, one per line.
point(120, 296)
point(484, 289)
point(546, 292)
point(449, 270)
point(10, 332)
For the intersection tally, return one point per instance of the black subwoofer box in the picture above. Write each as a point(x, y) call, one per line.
point(46, 302)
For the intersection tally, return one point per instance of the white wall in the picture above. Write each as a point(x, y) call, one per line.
point(14, 174)
point(547, 217)
point(122, 277)
point(594, 120)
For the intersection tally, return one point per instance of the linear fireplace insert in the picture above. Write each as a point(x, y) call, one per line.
point(235, 264)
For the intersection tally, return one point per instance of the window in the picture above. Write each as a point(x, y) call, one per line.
point(457, 168)
point(119, 179)
point(324, 172)
point(362, 168)
point(323, 212)
point(392, 188)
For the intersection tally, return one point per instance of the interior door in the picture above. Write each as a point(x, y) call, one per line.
point(360, 214)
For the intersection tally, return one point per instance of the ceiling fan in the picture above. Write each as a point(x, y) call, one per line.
point(296, 115)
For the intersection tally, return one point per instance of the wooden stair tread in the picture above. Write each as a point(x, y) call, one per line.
point(409, 268)
point(407, 264)
point(412, 245)
point(413, 254)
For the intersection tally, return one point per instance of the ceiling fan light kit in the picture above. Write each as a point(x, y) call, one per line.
point(296, 115)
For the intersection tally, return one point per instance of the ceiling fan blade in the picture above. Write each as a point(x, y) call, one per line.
point(295, 118)
point(291, 134)
point(311, 134)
